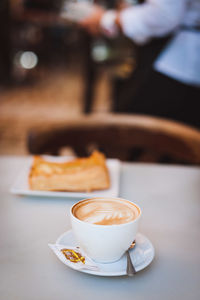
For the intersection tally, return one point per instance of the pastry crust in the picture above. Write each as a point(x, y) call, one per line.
point(78, 175)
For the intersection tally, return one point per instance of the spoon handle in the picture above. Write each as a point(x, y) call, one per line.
point(130, 270)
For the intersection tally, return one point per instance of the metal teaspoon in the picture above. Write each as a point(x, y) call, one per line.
point(130, 269)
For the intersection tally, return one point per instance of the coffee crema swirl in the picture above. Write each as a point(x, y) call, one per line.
point(106, 211)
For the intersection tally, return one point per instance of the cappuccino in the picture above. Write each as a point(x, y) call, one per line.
point(105, 227)
point(106, 211)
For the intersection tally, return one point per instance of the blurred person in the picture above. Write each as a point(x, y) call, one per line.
point(170, 87)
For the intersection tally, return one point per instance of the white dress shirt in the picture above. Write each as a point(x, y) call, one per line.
point(156, 18)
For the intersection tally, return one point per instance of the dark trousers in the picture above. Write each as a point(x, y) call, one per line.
point(158, 95)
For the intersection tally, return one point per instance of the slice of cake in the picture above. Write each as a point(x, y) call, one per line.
point(78, 175)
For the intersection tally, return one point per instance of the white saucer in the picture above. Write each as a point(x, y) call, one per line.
point(142, 255)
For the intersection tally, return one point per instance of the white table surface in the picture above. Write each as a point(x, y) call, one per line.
point(170, 199)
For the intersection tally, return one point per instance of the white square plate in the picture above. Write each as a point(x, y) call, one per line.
point(21, 186)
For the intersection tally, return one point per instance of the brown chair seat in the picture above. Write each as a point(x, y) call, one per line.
point(127, 137)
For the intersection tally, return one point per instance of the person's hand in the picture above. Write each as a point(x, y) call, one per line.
point(92, 23)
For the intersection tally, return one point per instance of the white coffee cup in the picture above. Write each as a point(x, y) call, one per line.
point(105, 227)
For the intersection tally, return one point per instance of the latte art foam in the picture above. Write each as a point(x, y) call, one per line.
point(106, 211)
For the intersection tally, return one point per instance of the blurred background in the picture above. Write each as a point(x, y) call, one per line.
point(52, 69)
point(46, 72)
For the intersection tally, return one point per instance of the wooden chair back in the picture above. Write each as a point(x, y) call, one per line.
point(127, 137)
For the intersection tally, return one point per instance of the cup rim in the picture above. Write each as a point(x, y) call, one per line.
point(103, 226)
